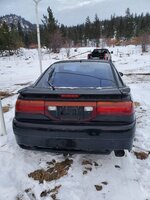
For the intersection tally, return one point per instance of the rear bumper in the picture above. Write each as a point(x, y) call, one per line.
point(87, 138)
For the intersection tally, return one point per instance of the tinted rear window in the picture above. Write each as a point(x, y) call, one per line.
point(79, 74)
point(100, 51)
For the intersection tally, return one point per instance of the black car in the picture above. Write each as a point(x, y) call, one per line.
point(102, 54)
point(76, 106)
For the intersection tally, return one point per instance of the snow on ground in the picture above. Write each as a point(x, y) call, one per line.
point(89, 176)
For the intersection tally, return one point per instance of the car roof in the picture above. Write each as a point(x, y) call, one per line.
point(101, 49)
point(83, 61)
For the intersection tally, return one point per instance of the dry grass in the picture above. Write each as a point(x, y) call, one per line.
point(105, 183)
point(58, 170)
point(95, 164)
point(88, 169)
point(6, 108)
point(141, 155)
point(30, 193)
point(137, 104)
point(54, 191)
point(87, 162)
point(85, 172)
point(98, 187)
point(4, 94)
point(117, 166)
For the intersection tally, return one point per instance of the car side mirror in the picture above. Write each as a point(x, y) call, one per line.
point(121, 74)
point(111, 52)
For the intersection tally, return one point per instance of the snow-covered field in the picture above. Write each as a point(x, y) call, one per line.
point(90, 177)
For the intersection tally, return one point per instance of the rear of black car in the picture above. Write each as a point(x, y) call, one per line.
point(80, 106)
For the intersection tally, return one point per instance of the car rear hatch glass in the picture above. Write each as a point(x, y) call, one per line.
point(78, 75)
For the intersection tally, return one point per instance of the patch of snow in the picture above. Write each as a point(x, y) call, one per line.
point(127, 177)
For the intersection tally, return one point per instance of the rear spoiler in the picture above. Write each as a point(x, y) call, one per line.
point(85, 91)
point(125, 91)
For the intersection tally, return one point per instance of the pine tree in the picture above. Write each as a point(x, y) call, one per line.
point(5, 38)
point(20, 32)
point(129, 28)
point(98, 29)
point(87, 35)
point(50, 27)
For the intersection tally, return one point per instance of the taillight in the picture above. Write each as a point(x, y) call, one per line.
point(69, 96)
point(115, 108)
point(27, 106)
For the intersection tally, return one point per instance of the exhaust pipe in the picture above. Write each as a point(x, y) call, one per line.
point(119, 153)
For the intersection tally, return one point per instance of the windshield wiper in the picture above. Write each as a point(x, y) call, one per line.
point(48, 81)
point(51, 85)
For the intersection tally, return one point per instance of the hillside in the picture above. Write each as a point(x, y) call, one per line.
point(14, 19)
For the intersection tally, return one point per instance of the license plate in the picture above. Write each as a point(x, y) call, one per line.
point(70, 113)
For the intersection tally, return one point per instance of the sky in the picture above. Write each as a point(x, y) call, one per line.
point(74, 11)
